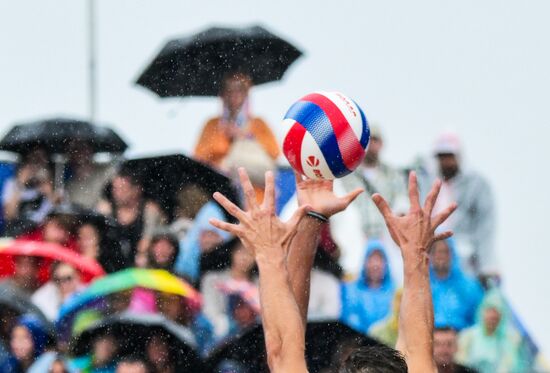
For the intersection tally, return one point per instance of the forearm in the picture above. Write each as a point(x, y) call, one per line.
point(283, 328)
point(416, 315)
point(300, 261)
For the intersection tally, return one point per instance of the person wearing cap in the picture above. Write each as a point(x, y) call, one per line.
point(362, 221)
point(474, 220)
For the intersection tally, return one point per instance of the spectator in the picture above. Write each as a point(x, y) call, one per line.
point(25, 277)
point(179, 310)
point(102, 358)
point(216, 304)
point(189, 201)
point(160, 354)
point(163, 251)
point(201, 238)
point(445, 348)
point(28, 340)
point(244, 309)
point(96, 241)
point(50, 362)
point(386, 330)
point(473, 223)
point(85, 179)
point(361, 220)
point(132, 364)
point(136, 217)
point(64, 281)
point(368, 299)
point(492, 344)
point(236, 138)
point(456, 295)
point(29, 197)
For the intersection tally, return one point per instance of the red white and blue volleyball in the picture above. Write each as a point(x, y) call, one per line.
point(326, 135)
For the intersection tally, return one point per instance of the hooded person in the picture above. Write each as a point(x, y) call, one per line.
point(368, 299)
point(28, 341)
point(456, 295)
point(492, 344)
point(200, 238)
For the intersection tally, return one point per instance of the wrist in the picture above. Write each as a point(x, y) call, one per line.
point(265, 262)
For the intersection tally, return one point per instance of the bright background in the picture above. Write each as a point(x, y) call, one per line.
point(417, 68)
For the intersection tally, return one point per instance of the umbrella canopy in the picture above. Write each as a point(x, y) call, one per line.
point(154, 279)
point(89, 268)
point(163, 176)
point(135, 330)
point(324, 339)
point(195, 65)
point(56, 134)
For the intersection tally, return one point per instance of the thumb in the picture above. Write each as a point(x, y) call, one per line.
point(351, 196)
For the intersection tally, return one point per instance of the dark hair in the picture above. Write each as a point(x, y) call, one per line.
point(374, 359)
point(130, 175)
point(172, 241)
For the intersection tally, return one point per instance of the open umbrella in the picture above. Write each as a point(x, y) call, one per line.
point(154, 279)
point(195, 65)
point(163, 176)
point(56, 134)
point(324, 340)
point(135, 330)
point(89, 268)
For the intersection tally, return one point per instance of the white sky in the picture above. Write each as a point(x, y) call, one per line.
point(416, 68)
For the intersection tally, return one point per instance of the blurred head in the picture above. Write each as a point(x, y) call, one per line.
point(26, 272)
point(491, 319)
point(57, 229)
point(88, 240)
point(379, 359)
point(372, 155)
point(234, 90)
point(445, 346)
point(104, 350)
point(58, 366)
point(447, 148)
point(243, 313)
point(440, 258)
point(163, 251)
point(241, 260)
point(22, 343)
point(120, 301)
point(80, 153)
point(126, 188)
point(209, 239)
point(132, 364)
point(65, 277)
point(375, 268)
point(157, 351)
point(174, 307)
point(37, 156)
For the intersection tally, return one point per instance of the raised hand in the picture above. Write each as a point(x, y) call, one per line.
point(259, 229)
point(320, 196)
point(414, 232)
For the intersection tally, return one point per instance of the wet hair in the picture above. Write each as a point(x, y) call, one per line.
point(241, 76)
point(171, 239)
point(374, 359)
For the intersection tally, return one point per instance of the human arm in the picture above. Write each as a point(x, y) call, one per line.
point(320, 197)
point(414, 233)
point(269, 239)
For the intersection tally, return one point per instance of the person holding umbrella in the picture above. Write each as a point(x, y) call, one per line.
point(236, 138)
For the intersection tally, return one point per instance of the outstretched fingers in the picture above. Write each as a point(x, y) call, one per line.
point(432, 197)
point(443, 215)
point(414, 196)
point(269, 194)
point(229, 206)
point(224, 226)
point(351, 196)
point(248, 190)
point(442, 236)
point(295, 219)
point(382, 206)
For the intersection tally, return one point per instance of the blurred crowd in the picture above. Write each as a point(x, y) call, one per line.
point(170, 290)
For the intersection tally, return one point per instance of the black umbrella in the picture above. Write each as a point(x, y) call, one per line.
point(14, 303)
point(195, 65)
point(325, 342)
point(56, 134)
point(162, 177)
point(135, 330)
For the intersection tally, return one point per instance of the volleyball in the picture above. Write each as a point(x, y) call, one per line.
point(326, 135)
